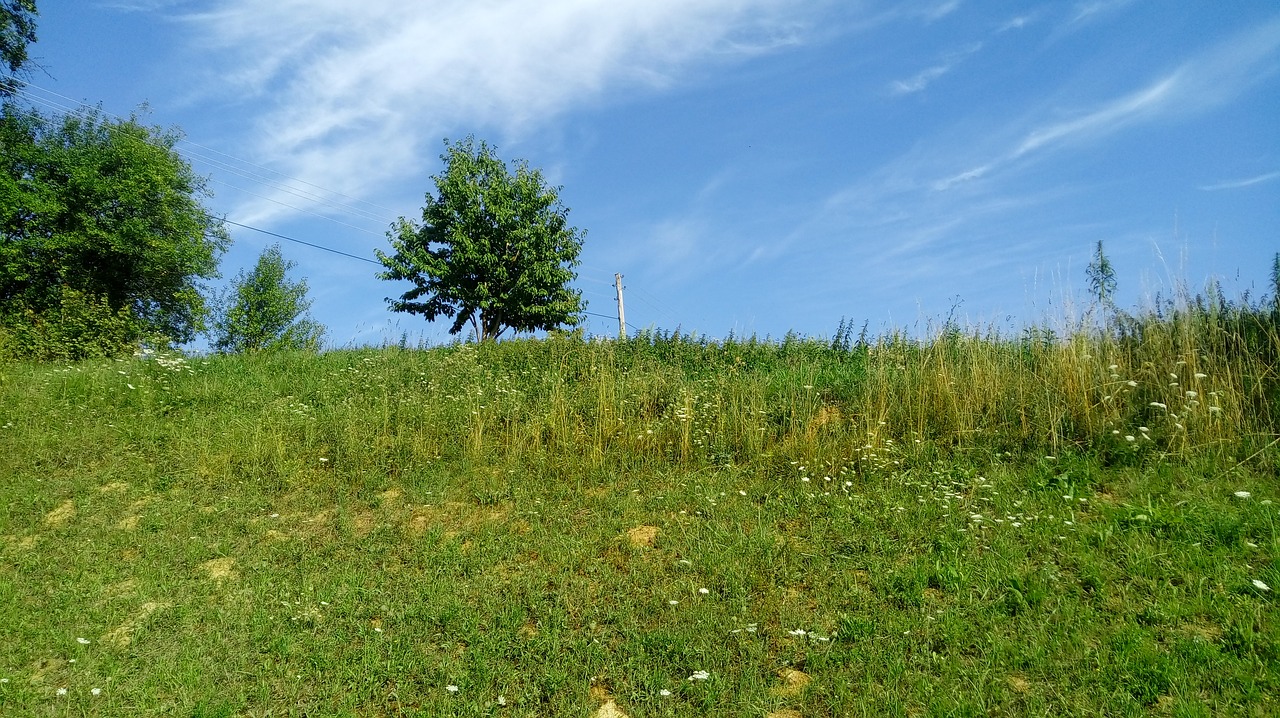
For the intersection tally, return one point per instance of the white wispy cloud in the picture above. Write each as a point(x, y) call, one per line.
point(1017, 23)
point(351, 96)
point(140, 5)
point(1241, 183)
point(971, 189)
point(1102, 120)
point(924, 78)
point(1210, 79)
point(1088, 11)
point(941, 10)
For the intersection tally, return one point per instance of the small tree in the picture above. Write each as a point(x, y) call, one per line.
point(1275, 282)
point(494, 249)
point(1102, 278)
point(264, 310)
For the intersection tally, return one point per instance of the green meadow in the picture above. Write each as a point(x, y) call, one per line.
point(1060, 523)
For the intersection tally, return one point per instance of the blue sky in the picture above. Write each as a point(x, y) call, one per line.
point(749, 165)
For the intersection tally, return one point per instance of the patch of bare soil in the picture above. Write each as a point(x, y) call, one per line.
point(122, 635)
point(1019, 684)
point(115, 487)
point(785, 713)
point(220, 568)
point(455, 517)
point(609, 710)
point(1206, 631)
point(643, 536)
point(61, 515)
point(599, 694)
point(42, 669)
point(793, 682)
point(123, 588)
point(363, 522)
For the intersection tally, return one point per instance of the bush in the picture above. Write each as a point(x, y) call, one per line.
point(79, 326)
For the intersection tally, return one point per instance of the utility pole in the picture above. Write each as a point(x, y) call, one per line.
point(622, 315)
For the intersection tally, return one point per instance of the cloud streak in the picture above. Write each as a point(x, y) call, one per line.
point(924, 78)
point(1241, 183)
point(1208, 80)
point(355, 91)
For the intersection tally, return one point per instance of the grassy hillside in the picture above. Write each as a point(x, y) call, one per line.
point(967, 524)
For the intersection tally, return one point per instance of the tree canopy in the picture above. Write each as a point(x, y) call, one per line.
point(107, 210)
point(17, 31)
point(494, 248)
point(264, 310)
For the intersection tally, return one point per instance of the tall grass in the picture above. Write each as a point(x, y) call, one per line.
point(566, 523)
point(1195, 382)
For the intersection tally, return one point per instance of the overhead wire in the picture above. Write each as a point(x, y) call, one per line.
point(299, 241)
point(82, 108)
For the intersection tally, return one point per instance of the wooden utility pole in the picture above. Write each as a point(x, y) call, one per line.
point(622, 315)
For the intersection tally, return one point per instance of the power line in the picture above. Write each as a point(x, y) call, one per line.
point(299, 241)
point(82, 109)
point(606, 316)
point(299, 209)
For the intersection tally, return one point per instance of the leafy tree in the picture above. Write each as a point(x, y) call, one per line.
point(105, 212)
point(264, 310)
point(494, 249)
point(17, 30)
point(1275, 281)
point(1102, 277)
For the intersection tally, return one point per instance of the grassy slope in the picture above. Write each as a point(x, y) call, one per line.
point(953, 526)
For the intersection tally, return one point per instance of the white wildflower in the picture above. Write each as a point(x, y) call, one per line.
point(699, 676)
point(1242, 494)
point(1260, 585)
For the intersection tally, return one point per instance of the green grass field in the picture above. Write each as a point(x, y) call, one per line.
point(963, 525)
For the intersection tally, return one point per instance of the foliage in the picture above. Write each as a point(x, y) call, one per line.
point(1275, 282)
point(494, 249)
point(106, 209)
point(80, 326)
point(1102, 277)
point(17, 31)
point(264, 310)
